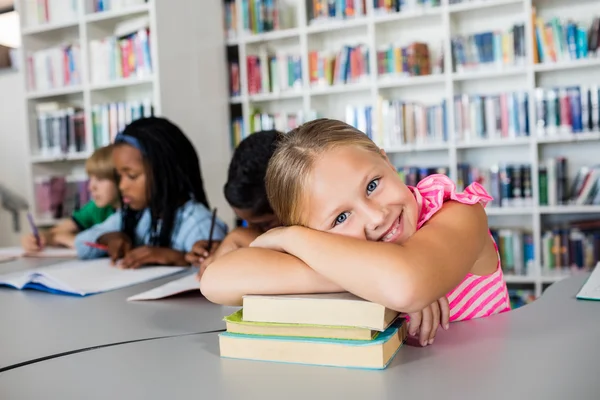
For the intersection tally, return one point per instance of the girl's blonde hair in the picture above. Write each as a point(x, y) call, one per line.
point(100, 164)
point(290, 167)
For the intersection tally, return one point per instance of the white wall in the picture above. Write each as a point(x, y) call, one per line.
point(14, 166)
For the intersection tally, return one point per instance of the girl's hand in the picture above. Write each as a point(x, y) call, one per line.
point(274, 239)
point(227, 246)
point(201, 252)
point(118, 245)
point(426, 322)
point(147, 255)
point(29, 243)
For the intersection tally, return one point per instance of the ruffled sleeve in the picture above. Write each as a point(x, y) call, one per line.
point(433, 191)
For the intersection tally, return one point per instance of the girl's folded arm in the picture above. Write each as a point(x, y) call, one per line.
point(404, 277)
point(260, 271)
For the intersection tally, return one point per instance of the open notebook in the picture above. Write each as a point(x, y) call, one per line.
point(186, 284)
point(591, 287)
point(82, 278)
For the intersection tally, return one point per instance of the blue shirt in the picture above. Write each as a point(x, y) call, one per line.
point(192, 223)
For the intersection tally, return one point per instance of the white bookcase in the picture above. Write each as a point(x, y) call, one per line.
point(182, 86)
point(436, 26)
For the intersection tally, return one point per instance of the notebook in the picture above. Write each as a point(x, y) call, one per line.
point(591, 287)
point(185, 284)
point(83, 278)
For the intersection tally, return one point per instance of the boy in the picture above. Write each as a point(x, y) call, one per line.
point(245, 192)
point(105, 200)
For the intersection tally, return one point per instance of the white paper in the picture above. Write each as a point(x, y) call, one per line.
point(185, 284)
point(86, 277)
point(50, 252)
point(10, 253)
point(591, 288)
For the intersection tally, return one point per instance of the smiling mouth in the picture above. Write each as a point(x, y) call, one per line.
point(391, 233)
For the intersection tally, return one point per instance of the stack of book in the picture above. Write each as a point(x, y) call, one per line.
point(336, 329)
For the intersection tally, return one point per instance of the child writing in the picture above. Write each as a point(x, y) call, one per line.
point(352, 224)
point(105, 200)
point(165, 210)
point(246, 194)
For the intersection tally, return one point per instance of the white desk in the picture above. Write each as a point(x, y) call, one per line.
point(546, 350)
point(36, 324)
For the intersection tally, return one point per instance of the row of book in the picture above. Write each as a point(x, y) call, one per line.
point(411, 175)
point(516, 250)
point(54, 67)
point(270, 73)
point(230, 19)
point(411, 60)
point(571, 247)
point(123, 56)
point(565, 40)
point(60, 129)
point(555, 188)
point(508, 184)
point(58, 196)
point(478, 117)
point(260, 16)
point(325, 10)
point(563, 110)
point(520, 297)
point(489, 50)
point(409, 124)
point(38, 12)
point(111, 118)
point(114, 5)
point(281, 121)
point(390, 6)
point(349, 65)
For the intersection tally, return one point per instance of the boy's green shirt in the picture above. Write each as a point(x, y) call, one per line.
point(90, 215)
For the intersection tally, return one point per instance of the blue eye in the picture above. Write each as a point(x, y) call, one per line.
point(372, 185)
point(341, 218)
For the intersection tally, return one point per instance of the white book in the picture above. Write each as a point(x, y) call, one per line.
point(83, 278)
point(186, 284)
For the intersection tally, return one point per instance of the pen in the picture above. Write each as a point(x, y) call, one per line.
point(97, 246)
point(35, 231)
point(212, 228)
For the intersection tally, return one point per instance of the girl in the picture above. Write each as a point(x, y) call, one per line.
point(352, 224)
point(105, 200)
point(165, 210)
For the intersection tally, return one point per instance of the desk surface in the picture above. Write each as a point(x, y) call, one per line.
point(545, 350)
point(37, 324)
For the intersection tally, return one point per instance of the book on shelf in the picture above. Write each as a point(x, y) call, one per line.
point(111, 118)
point(492, 49)
point(411, 175)
point(261, 16)
point(54, 67)
point(50, 11)
point(115, 5)
point(391, 6)
point(57, 197)
point(83, 278)
point(516, 250)
point(319, 11)
point(565, 40)
point(127, 54)
point(348, 65)
point(520, 297)
point(60, 129)
point(508, 184)
point(569, 247)
point(411, 60)
point(235, 88)
point(230, 16)
point(336, 329)
point(555, 188)
point(494, 116)
point(567, 110)
point(273, 73)
point(403, 123)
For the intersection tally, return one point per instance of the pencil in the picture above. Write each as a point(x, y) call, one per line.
point(212, 228)
point(35, 231)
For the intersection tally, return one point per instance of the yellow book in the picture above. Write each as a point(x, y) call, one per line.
point(236, 324)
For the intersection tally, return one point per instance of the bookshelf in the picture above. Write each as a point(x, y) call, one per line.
point(436, 26)
point(166, 75)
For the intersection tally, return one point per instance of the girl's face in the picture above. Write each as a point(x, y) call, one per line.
point(355, 192)
point(131, 171)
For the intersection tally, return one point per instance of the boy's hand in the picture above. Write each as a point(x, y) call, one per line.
point(118, 245)
point(426, 322)
point(29, 243)
point(146, 255)
point(201, 252)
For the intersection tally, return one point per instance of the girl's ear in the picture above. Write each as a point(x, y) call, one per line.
point(386, 158)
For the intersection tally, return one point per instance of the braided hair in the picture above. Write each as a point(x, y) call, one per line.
point(173, 172)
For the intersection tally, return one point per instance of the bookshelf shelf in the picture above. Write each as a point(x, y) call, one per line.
point(54, 92)
point(292, 94)
point(49, 27)
point(378, 32)
point(508, 278)
point(124, 82)
point(567, 65)
point(113, 14)
point(41, 159)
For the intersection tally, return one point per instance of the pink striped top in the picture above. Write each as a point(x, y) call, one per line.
point(476, 296)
